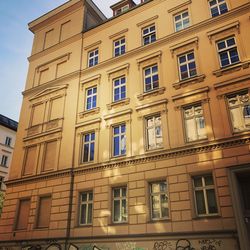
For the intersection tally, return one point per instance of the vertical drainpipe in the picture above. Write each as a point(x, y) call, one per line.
point(72, 175)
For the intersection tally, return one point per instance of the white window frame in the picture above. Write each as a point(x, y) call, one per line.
point(89, 143)
point(227, 50)
point(158, 194)
point(120, 135)
point(93, 57)
point(194, 108)
point(187, 63)
point(91, 96)
point(8, 141)
point(89, 202)
point(217, 6)
point(155, 133)
point(4, 160)
point(123, 217)
point(119, 46)
point(119, 87)
point(149, 34)
point(204, 188)
point(151, 76)
point(181, 20)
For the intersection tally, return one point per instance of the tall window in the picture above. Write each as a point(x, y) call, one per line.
point(151, 78)
point(119, 140)
point(86, 208)
point(239, 106)
point(1, 183)
point(204, 193)
point(228, 52)
point(119, 46)
point(148, 34)
point(91, 97)
point(43, 215)
point(23, 214)
point(120, 213)
point(159, 200)
point(88, 147)
point(181, 20)
point(194, 123)
point(119, 89)
point(93, 57)
point(8, 141)
point(218, 7)
point(4, 160)
point(187, 66)
point(154, 132)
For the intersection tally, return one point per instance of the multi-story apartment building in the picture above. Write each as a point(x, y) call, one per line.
point(8, 129)
point(134, 130)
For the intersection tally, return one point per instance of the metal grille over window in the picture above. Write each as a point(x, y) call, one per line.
point(91, 97)
point(181, 21)
point(194, 123)
point(187, 66)
point(205, 197)
point(148, 35)
point(119, 47)
point(239, 106)
point(93, 58)
point(218, 7)
point(119, 87)
point(151, 78)
point(88, 147)
point(120, 204)
point(86, 208)
point(159, 200)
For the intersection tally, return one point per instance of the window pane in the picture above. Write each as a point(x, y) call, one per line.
point(212, 206)
point(198, 182)
point(164, 206)
point(155, 207)
point(117, 210)
point(200, 202)
point(83, 214)
point(90, 213)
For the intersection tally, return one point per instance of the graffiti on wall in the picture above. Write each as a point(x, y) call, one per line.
point(210, 244)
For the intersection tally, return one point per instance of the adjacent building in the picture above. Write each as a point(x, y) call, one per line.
point(134, 130)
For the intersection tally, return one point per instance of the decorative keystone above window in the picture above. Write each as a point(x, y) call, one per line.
point(186, 82)
point(155, 92)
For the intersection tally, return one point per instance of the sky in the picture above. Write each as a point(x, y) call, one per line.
point(16, 43)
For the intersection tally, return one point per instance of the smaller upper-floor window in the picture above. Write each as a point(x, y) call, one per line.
point(187, 65)
point(122, 9)
point(8, 141)
point(119, 89)
point(239, 107)
point(1, 183)
point(86, 208)
point(93, 57)
point(148, 34)
point(159, 200)
point(120, 213)
point(218, 7)
point(119, 140)
point(194, 123)
point(228, 53)
point(181, 20)
point(204, 193)
point(91, 98)
point(119, 46)
point(151, 78)
point(88, 150)
point(4, 160)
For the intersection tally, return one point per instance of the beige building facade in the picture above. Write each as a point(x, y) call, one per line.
point(134, 130)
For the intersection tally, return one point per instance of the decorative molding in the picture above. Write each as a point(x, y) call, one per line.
point(89, 122)
point(151, 104)
point(231, 81)
point(43, 136)
point(118, 103)
point(91, 79)
point(87, 113)
point(194, 40)
point(176, 8)
point(119, 68)
point(147, 21)
point(96, 44)
point(234, 25)
point(154, 92)
point(191, 80)
point(157, 54)
point(118, 33)
point(190, 93)
point(120, 113)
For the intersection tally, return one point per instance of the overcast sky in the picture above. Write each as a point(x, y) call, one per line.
point(15, 46)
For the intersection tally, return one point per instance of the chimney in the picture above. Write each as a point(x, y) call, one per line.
point(122, 6)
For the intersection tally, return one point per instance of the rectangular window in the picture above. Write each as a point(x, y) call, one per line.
point(154, 132)
point(228, 52)
point(119, 140)
point(181, 20)
point(148, 35)
point(194, 123)
point(119, 46)
point(93, 57)
point(30, 160)
point(151, 78)
point(91, 97)
point(239, 107)
point(8, 141)
point(187, 66)
point(50, 157)
point(86, 208)
point(119, 89)
point(122, 9)
point(4, 160)
point(120, 213)
point(204, 193)
point(1, 183)
point(218, 7)
point(43, 214)
point(88, 147)
point(23, 214)
point(159, 200)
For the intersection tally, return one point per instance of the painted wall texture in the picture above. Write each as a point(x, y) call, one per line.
point(134, 131)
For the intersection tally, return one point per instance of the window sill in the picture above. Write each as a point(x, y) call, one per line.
point(160, 220)
point(191, 80)
point(231, 68)
point(118, 103)
point(89, 112)
point(84, 226)
point(118, 157)
point(155, 92)
point(212, 216)
point(148, 151)
point(196, 141)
